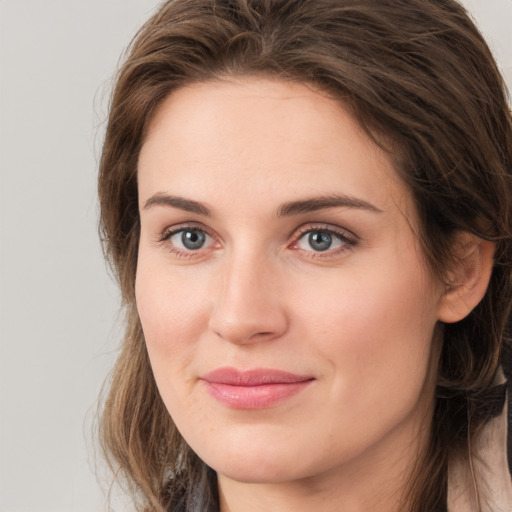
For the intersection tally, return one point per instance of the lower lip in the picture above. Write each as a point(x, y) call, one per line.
point(254, 397)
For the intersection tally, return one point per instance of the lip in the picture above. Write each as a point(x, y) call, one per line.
point(253, 389)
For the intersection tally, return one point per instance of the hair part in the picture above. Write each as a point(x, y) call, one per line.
point(421, 81)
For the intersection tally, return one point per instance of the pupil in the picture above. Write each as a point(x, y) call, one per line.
point(320, 241)
point(192, 239)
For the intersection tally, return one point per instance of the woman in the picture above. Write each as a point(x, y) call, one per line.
point(308, 207)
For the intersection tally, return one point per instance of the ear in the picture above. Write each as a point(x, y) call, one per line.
point(468, 280)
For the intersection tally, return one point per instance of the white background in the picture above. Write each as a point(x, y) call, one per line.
point(58, 327)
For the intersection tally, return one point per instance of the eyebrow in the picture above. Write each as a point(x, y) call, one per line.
point(187, 205)
point(323, 202)
point(286, 210)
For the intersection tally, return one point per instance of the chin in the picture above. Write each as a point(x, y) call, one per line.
point(256, 472)
point(256, 463)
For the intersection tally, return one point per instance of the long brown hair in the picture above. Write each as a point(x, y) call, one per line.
point(421, 81)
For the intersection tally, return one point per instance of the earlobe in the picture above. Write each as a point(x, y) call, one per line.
point(469, 279)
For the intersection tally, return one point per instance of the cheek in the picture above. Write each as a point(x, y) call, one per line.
point(173, 312)
point(376, 335)
point(168, 304)
point(363, 306)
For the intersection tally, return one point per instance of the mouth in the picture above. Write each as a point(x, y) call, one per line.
point(253, 389)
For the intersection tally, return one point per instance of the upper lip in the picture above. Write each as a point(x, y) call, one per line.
point(256, 377)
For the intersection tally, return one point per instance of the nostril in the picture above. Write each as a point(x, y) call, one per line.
point(261, 334)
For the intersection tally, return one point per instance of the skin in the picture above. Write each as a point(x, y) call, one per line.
point(358, 318)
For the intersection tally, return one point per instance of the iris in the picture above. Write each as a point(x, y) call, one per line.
point(193, 239)
point(320, 240)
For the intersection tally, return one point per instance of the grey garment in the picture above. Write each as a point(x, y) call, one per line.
point(203, 498)
point(491, 465)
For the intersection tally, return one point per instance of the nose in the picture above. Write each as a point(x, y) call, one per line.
point(248, 307)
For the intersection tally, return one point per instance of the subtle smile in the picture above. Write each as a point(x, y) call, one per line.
point(253, 389)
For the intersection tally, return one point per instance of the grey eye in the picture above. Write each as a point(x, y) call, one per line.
point(320, 240)
point(193, 239)
point(190, 239)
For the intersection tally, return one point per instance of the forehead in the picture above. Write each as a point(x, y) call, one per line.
point(235, 140)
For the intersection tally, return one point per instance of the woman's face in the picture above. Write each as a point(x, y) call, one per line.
point(286, 307)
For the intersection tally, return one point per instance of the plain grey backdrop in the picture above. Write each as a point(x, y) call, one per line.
point(58, 306)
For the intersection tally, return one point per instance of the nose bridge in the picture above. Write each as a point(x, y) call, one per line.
point(246, 306)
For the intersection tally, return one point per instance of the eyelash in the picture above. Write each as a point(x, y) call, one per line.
point(170, 232)
point(347, 239)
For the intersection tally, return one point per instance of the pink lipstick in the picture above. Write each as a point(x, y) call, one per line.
point(253, 389)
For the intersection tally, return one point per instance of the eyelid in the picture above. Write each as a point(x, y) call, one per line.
point(322, 226)
point(183, 226)
point(349, 238)
point(165, 236)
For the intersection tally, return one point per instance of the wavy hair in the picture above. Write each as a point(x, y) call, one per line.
point(420, 79)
